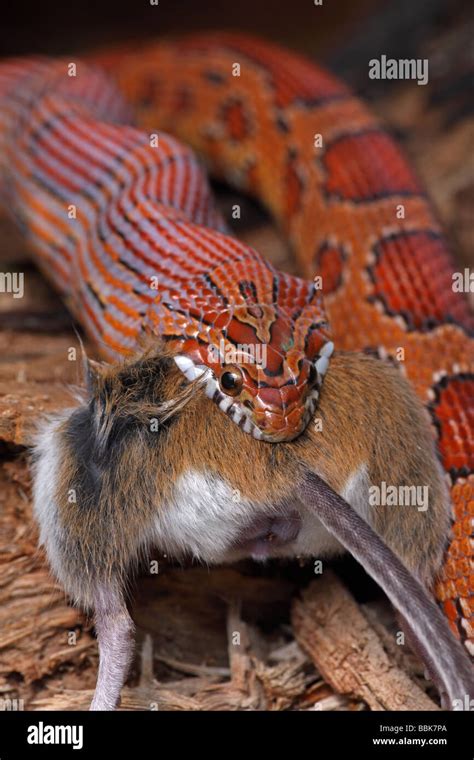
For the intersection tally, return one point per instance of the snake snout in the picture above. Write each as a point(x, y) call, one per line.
point(282, 414)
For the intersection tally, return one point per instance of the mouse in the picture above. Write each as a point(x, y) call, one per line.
point(145, 460)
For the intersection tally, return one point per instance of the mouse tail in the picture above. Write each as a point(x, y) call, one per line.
point(444, 657)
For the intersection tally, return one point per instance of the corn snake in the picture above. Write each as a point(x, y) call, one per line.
point(349, 205)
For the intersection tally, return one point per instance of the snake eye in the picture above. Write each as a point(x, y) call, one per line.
point(231, 381)
point(312, 375)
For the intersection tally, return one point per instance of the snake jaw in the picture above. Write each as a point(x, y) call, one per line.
point(238, 413)
point(243, 416)
point(322, 362)
point(189, 369)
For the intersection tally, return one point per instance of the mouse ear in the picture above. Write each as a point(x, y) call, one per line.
point(94, 373)
point(444, 657)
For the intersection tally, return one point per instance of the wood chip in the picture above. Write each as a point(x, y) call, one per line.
point(331, 628)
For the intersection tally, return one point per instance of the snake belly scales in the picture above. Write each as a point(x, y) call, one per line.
point(145, 248)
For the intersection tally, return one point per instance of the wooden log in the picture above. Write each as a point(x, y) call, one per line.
point(330, 626)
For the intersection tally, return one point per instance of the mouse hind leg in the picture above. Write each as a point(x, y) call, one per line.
point(115, 635)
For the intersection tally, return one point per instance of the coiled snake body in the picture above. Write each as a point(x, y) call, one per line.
point(124, 224)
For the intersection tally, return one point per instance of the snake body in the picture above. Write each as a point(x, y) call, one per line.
point(146, 249)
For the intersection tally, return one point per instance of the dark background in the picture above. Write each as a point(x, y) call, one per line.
point(342, 33)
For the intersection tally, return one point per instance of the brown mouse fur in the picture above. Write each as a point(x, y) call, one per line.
point(108, 477)
point(147, 459)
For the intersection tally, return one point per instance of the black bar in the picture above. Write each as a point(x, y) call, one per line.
point(311, 733)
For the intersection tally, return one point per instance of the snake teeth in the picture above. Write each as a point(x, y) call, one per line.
point(247, 426)
point(322, 364)
point(238, 415)
point(225, 403)
point(210, 387)
point(327, 349)
point(188, 368)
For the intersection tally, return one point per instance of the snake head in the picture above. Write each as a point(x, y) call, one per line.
point(262, 367)
point(255, 337)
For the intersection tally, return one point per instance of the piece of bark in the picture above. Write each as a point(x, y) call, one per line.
point(335, 702)
point(282, 684)
point(36, 378)
point(402, 655)
point(330, 626)
point(194, 670)
point(254, 684)
point(131, 699)
point(242, 666)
